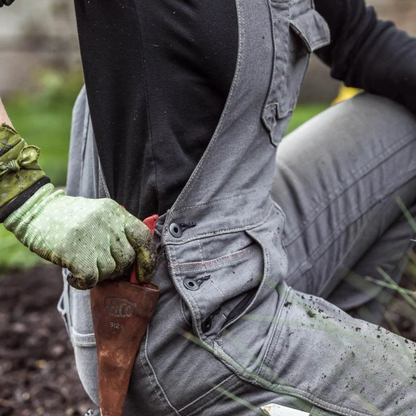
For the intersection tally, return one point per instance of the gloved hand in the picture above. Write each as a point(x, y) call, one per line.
point(6, 2)
point(96, 239)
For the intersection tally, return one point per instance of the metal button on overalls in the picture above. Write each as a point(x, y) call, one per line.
point(175, 230)
point(190, 284)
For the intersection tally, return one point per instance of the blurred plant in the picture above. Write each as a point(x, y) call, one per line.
point(54, 88)
point(43, 118)
point(58, 87)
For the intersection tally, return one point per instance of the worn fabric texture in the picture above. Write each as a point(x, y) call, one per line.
point(19, 168)
point(95, 239)
point(244, 317)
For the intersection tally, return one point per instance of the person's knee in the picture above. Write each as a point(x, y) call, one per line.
point(380, 107)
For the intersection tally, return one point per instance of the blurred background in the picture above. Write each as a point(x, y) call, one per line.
point(40, 76)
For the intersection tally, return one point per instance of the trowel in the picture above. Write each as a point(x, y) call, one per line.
point(121, 312)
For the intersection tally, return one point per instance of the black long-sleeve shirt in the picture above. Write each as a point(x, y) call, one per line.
point(158, 74)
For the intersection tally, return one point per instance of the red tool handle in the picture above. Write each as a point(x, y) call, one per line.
point(151, 224)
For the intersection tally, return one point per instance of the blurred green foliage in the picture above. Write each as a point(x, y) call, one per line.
point(44, 119)
point(303, 113)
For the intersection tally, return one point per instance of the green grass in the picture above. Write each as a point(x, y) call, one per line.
point(303, 113)
point(45, 122)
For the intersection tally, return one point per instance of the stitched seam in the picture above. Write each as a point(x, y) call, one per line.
point(318, 44)
point(195, 310)
point(321, 403)
point(282, 389)
point(331, 197)
point(341, 260)
point(219, 290)
point(209, 262)
point(200, 252)
point(148, 373)
point(266, 260)
point(174, 255)
point(283, 88)
point(199, 168)
point(273, 80)
point(272, 338)
point(321, 249)
point(226, 198)
point(336, 193)
point(227, 230)
point(183, 311)
point(288, 390)
point(217, 397)
point(159, 385)
point(280, 327)
point(205, 394)
point(82, 335)
point(311, 45)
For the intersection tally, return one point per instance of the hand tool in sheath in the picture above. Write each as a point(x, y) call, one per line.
point(121, 312)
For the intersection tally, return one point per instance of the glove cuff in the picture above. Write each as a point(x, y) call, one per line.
point(18, 220)
point(21, 199)
point(19, 167)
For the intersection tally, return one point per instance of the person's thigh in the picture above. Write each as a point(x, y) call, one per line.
point(338, 178)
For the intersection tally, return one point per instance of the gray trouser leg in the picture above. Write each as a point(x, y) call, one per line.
point(338, 180)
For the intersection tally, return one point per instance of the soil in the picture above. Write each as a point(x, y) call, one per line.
point(37, 368)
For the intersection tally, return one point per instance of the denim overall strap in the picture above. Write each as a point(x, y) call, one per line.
point(225, 220)
point(235, 173)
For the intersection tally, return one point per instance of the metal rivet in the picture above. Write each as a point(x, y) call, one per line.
point(191, 284)
point(207, 324)
point(175, 230)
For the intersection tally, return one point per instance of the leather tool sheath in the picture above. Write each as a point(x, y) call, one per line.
point(121, 312)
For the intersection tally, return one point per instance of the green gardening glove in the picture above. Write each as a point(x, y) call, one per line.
point(96, 239)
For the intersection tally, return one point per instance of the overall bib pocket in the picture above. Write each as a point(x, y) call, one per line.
point(230, 295)
point(298, 30)
point(220, 280)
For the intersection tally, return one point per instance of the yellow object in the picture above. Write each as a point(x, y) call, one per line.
point(346, 93)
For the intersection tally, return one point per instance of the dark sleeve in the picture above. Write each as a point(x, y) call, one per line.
point(369, 53)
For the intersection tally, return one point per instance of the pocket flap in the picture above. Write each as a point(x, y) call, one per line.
point(312, 28)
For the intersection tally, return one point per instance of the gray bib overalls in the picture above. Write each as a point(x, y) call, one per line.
point(229, 335)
